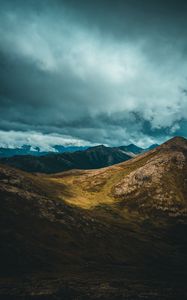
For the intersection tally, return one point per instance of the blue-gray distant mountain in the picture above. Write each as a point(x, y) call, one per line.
point(36, 151)
point(132, 149)
point(24, 150)
point(91, 158)
point(62, 149)
point(151, 147)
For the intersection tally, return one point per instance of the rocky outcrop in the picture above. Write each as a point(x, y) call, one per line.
point(160, 183)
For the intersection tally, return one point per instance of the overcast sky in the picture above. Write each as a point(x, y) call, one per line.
point(92, 72)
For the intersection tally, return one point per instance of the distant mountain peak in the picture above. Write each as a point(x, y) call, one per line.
point(98, 147)
point(132, 148)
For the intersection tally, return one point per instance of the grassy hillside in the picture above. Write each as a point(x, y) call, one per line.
point(154, 181)
point(97, 234)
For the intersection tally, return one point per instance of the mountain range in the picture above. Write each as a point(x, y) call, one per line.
point(36, 151)
point(89, 158)
point(117, 232)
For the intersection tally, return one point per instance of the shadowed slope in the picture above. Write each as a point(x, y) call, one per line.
point(97, 234)
point(92, 158)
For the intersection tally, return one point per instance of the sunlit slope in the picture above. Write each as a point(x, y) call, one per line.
point(40, 232)
point(118, 225)
point(154, 181)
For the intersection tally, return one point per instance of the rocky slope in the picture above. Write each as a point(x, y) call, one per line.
point(112, 233)
point(154, 181)
point(159, 184)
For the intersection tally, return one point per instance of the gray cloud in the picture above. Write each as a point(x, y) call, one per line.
point(108, 72)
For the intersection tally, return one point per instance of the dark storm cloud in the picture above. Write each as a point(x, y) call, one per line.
point(96, 71)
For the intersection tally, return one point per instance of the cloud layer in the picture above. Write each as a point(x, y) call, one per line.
point(104, 72)
point(16, 139)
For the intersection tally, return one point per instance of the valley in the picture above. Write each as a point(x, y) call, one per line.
point(117, 232)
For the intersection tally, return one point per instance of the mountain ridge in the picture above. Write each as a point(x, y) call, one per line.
point(36, 151)
point(134, 177)
point(97, 234)
point(91, 158)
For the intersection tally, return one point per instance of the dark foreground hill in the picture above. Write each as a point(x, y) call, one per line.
point(114, 233)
